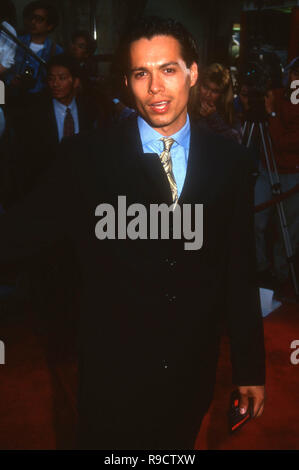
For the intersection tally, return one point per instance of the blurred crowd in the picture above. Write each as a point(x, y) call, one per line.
point(54, 92)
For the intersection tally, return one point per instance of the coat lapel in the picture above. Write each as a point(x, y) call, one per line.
point(141, 175)
point(200, 175)
point(146, 172)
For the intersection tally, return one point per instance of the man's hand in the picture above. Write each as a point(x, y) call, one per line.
point(270, 102)
point(257, 392)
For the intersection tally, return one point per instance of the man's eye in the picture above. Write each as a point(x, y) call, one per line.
point(139, 74)
point(169, 70)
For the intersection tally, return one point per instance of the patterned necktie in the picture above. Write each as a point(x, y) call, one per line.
point(69, 125)
point(167, 164)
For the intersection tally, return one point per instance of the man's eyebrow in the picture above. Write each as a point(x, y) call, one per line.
point(145, 69)
point(168, 64)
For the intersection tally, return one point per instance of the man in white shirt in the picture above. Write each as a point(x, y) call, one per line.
point(40, 19)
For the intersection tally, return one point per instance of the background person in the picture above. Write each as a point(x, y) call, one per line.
point(82, 47)
point(214, 104)
point(61, 112)
point(28, 75)
point(283, 118)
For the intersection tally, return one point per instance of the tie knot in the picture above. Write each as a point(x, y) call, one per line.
point(167, 141)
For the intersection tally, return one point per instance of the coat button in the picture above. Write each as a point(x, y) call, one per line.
point(170, 298)
point(165, 364)
point(171, 262)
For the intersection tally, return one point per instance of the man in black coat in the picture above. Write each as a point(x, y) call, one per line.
point(58, 113)
point(152, 307)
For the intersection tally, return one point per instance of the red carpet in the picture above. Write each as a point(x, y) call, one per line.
point(278, 427)
point(37, 404)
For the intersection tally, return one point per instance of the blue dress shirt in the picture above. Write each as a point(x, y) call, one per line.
point(60, 112)
point(151, 143)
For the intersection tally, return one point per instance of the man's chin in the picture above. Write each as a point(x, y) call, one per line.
point(157, 121)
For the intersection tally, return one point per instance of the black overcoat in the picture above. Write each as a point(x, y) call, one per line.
point(151, 312)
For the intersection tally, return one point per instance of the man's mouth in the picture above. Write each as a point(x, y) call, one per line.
point(160, 106)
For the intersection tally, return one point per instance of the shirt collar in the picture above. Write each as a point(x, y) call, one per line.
point(148, 134)
point(62, 107)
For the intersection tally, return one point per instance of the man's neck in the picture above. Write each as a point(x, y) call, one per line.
point(172, 128)
point(40, 39)
point(66, 101)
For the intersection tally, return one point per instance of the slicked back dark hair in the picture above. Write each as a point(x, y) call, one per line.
point(52, 13)
point(67, 61)
point(151, 26)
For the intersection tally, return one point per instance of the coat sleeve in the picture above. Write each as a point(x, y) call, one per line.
point(244, 319)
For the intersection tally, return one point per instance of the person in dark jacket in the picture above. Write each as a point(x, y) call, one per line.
point(152, 307)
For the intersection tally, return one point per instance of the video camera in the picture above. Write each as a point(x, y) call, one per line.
point(261, 73)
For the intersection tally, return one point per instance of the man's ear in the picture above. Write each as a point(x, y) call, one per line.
point(126, 81)
point(193, 73)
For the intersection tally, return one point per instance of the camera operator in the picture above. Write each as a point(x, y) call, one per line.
point(28, 75)
point(283, 119)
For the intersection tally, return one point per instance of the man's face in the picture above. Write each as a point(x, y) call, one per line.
point(37, 22)
point(160, 82)
point(62, 84)
point(79, 49)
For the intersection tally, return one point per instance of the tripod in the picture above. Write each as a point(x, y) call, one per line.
point(261, 125)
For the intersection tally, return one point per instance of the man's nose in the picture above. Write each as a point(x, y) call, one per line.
point(155, 84)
